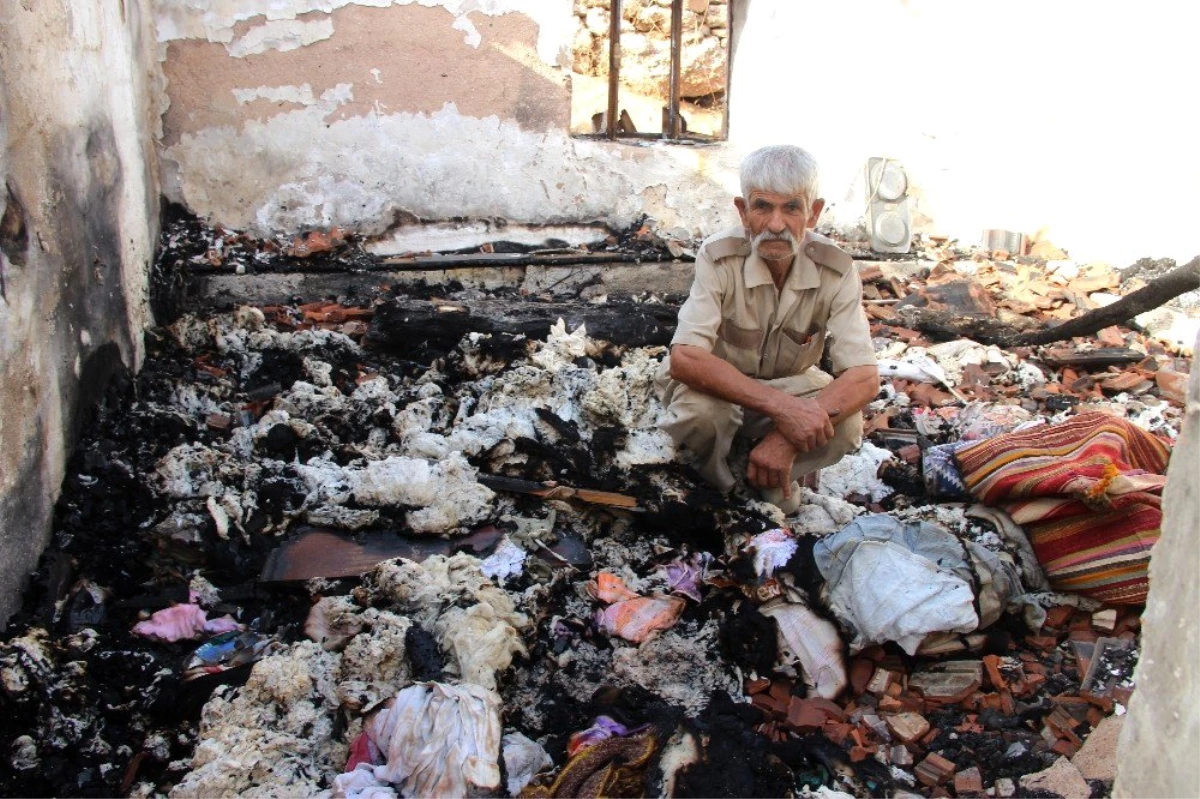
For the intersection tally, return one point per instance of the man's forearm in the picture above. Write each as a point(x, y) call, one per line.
point(850, 392)
point(718, 378)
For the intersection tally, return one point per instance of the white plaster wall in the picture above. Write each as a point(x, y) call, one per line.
point(1066, 117)
point(360, 171)
point(1159, 750)
point(76, 103)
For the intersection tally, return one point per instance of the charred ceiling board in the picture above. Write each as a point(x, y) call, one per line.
point(406, 324)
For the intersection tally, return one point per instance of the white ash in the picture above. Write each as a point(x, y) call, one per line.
point(157, 746)
point(819, 514)
point(306, 400)
point(341, 517)
point(1053, 599)
point(1029, 376)
point(194, 470)
point(481, 641)
point(198, 401)
point(475, 622)
point(561, 347)
point(378, 651)
point(475, 363)
point(207, 595)
point(83, 641)
point(888, 349)
point(243, 439)
point(646, 447)
point(24, 755)
point(27, 661)
point(678, 665)
point(319, 372)
point(445, 494)
point(333, 621)
point(624, 396)
point(375, 392)
point(274, 735)
point(856, 474)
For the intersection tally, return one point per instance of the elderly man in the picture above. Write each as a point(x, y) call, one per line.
point(744, 358)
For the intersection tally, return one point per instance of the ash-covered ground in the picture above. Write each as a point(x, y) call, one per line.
point(251, 428)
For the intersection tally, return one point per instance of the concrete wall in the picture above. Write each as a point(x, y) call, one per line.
point(79, 208)
point(1015, 114)
point(1159, 750)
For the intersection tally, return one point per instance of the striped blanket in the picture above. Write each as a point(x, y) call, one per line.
point(1089, 493)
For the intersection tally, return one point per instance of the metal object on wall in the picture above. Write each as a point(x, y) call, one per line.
point(1010, 241)
point(888, 219)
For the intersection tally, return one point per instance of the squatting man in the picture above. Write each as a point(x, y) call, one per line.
point(744, 358)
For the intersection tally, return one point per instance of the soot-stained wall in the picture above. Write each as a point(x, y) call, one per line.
point(370, 114)
point(286, 114)
point(79, 210)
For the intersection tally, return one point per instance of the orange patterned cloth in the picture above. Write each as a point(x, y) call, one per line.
point(1089, 493)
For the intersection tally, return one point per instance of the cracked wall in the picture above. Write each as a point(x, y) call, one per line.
point(78, 218)
point(286, 114)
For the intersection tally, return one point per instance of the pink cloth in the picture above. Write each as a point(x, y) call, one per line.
point(180, 622)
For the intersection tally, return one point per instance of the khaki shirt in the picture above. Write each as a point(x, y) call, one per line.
point(735, 312)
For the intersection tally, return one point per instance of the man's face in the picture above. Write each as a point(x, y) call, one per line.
point(776, 222)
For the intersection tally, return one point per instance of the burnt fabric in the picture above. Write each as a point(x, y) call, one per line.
point(1089, 493)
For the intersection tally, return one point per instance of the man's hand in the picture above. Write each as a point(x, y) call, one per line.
point(803, 422)
point(771, 462)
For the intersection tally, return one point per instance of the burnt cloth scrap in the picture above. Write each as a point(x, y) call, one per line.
point(1089, 493)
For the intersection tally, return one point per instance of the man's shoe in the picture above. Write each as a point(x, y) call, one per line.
point(788, 505)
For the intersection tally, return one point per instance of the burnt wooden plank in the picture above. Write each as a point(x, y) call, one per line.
point(412, 325)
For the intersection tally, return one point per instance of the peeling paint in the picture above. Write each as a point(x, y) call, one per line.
point(281, 36)
point(300, 95)
point(216, 21)
point(395, 59)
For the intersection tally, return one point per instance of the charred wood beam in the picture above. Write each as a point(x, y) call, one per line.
point(1154, 294)
point(1178, 281)
point(408, 325)
point(418, 263)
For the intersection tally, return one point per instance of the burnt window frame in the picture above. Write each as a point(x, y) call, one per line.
point(672, 133)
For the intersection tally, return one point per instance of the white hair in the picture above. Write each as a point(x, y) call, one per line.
point(782, 169)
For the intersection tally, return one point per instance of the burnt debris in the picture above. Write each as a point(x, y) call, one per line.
point(349, 498)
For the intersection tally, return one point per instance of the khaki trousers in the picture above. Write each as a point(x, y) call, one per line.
point(707, 426)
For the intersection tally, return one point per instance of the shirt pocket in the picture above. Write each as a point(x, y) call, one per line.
point(800, 351)
point(741, 346)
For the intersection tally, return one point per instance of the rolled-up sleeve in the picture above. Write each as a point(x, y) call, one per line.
point(700, 315)
point(848, 326)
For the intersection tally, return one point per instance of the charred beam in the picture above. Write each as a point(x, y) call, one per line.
point(409, 325)
point(1158, 292)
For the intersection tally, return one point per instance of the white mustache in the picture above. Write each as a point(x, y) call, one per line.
point(768, 236)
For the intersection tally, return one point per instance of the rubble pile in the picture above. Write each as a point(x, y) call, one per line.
point(286, 561)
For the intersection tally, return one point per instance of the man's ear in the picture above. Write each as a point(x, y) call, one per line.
point(817, 207)
point(740, 204)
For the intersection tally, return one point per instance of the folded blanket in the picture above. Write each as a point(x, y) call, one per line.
point(1088, 491)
